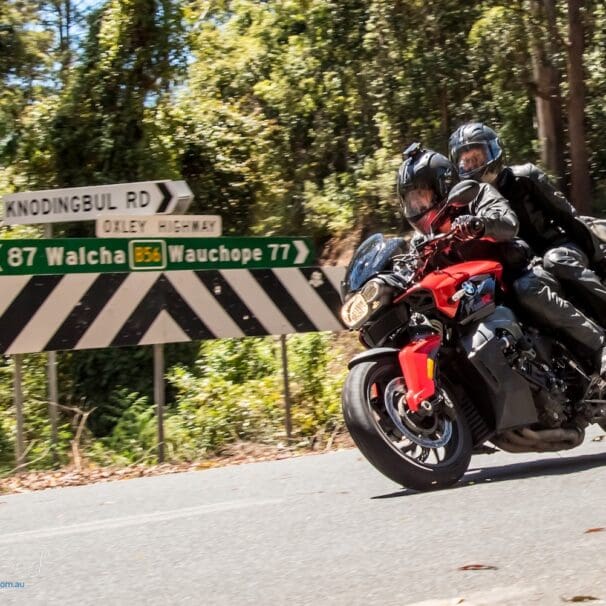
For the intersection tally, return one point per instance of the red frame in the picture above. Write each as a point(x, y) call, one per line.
point(443, 283)
point(414, 358)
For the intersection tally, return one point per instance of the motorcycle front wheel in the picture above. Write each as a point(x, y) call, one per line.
point(419, 453)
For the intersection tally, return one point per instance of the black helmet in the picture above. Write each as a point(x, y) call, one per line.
point(485, 160)
point(424, 180)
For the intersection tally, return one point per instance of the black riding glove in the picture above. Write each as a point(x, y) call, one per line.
point(469, 227)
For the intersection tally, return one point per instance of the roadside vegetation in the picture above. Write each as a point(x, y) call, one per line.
point(285, 117)
point(218, 393)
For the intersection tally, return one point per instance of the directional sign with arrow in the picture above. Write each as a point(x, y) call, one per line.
point(87, 203)
point(104, 255)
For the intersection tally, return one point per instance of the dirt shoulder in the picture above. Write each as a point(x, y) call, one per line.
point(234, 454)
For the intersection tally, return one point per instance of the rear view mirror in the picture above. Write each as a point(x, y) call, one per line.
point(463, 193)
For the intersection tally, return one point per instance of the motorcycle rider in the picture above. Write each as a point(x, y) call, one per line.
point(424, 181)
point(548, 222)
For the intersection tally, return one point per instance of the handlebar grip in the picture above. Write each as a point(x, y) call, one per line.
point(477, 225)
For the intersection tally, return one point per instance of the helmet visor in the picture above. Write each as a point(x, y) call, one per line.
point(472, 159)
point(418, 201)
point(420, 208)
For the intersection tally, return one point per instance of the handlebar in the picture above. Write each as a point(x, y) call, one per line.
point(439, 240)
point(427, 249)
point(473, 228)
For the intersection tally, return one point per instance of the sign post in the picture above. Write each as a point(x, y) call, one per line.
point(159, 395)
point(287, 400)
point(18, 400)
point(53, 387)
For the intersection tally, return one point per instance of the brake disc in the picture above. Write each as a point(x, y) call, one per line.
point(397, 387)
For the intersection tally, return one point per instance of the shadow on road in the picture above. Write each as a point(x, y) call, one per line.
point(484, 475)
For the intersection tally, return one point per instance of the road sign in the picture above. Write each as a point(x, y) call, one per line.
point(86, 203)
point(102, 255)
point(93, 310)
point(163, 226)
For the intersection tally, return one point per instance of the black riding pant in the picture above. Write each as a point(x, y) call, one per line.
point(569, 265)
point(541, 296)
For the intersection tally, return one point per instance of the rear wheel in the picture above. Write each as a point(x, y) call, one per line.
point(420, 452)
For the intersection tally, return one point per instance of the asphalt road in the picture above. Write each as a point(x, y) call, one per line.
point(324, 529)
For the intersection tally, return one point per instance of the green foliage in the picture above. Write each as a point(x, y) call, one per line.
point(133, 436)
point(99, 379)
point(237, 360)
point(100, 131)
point(316, 384)
point(499, 58)
point(7, 449)
point(25, 67)
point(35, 412)
point(16, 232)
point(278, 113)
point(213, 411)
point(595, 69)
point(234, 393)
point(285, 117)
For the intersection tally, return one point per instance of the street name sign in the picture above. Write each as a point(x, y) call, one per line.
point(87, 203)
point(163, 226)
point(103, 255)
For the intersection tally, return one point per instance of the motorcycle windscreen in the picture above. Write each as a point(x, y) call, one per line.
point(373, 255)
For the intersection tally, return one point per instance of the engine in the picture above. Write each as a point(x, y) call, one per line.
point(558, 385)
point(557, 382)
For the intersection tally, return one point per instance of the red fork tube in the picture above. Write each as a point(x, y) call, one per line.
point(417, 361)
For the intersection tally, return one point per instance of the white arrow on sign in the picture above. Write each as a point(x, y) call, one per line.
point(87, 203)
point(302, 251)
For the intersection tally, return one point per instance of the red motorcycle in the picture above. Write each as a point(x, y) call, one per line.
point(452, 364)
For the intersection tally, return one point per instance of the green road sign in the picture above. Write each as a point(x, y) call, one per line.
point(99, 255)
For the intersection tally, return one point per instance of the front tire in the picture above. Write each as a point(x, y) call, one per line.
point(402, 458)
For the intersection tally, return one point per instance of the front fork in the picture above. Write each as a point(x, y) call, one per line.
point(417, 361)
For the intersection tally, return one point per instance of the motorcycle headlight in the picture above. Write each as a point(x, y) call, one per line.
point(358, 308)
point(371, 290)
point(355, 311)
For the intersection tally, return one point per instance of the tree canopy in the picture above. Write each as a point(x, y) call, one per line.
point(285, 117)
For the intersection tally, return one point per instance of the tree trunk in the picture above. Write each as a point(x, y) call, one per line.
point(548, 99)
point(64, 22)
point(554, 46)
point(580, 190)
point(444, 114)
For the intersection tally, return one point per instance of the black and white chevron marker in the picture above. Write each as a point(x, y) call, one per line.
point(84, 311)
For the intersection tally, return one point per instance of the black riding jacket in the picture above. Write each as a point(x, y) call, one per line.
point(498, 243)
point(547, 219)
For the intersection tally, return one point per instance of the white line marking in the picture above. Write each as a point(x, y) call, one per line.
point(163, 330)
point(133, 520)
point(335, 274)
